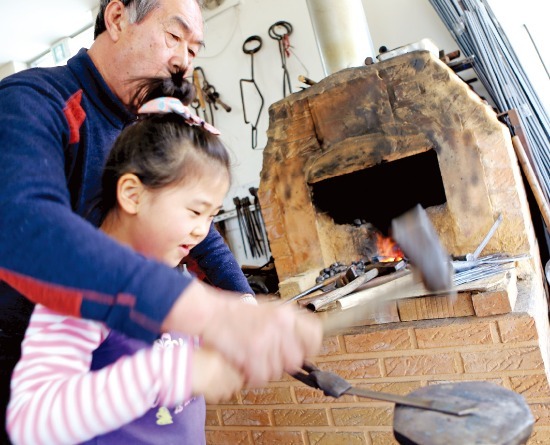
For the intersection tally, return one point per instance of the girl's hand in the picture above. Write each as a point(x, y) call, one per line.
point(213, 376)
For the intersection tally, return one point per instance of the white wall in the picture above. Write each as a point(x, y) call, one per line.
point(395, 23)
point(225, 64)
point(11, 68)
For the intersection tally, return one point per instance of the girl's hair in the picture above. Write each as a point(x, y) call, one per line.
point(161, 149)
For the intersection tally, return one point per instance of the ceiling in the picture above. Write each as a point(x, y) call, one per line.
point(29, 27)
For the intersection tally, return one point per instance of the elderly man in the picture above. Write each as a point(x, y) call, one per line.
point(57, 126)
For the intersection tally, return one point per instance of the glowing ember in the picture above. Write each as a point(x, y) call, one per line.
point(388, 250)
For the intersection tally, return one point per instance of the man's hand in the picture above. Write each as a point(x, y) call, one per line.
point(261, 341)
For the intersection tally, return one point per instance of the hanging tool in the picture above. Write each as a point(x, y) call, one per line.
point(206, 94)
point(251, 46)
point(253, 230)
point(284, 48)
point(213, 97)
point(199, 104)
point(240, 221)
point(258, 216)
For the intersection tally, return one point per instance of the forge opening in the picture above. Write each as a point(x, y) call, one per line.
point(380, 193)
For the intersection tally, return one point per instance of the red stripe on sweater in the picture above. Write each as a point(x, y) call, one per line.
point(75, 115)
point(68, 301)
point(58, 298)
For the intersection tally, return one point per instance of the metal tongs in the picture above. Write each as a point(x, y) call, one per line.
point(335, 386)
point(471, 260)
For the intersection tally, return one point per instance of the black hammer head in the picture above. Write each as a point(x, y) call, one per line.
point(416, 236)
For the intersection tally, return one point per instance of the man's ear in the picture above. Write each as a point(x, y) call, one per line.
point(115, 19)
point(129, 193)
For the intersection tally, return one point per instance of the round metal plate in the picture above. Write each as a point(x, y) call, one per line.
point(502, 417)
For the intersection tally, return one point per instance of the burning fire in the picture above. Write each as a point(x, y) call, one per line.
point(388, 250)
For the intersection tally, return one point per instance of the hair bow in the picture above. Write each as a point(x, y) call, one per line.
point(172, 105)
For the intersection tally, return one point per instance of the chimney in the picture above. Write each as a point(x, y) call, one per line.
point(342, 33)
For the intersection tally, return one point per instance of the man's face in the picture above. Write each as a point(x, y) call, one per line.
point(166, 41)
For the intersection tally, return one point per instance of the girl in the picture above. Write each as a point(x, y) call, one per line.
point(77, 381)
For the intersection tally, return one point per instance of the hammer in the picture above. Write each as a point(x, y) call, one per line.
point(416, 236)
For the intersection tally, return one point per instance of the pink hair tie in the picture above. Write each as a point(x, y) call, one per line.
point(163, 105)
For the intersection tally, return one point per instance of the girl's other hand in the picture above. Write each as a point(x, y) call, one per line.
point(214, 377)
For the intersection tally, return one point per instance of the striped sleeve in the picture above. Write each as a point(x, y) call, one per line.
point(56, 399)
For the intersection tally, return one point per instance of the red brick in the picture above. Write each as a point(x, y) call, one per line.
point(386, 340)
point(267, 396)
point(435, 307)
point(305, 395)
point(300, 417)
point(402, 388)
point(420, 365)
point(383, 313)
point(330, 346)
point(531, 386)
point(335, 438)
point(517, 329)
point(383, 438)
point(502, 360)
point(212, 418)
point(227, 438)
point(455, 334)
point(539, 437)
point(353, 369)
point(363, 416)
point(491, 303)
point(277, 438)
point(245, 417)
point(463, 378)
point(541, 412)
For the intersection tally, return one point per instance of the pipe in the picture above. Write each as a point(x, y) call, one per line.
point(342, 33)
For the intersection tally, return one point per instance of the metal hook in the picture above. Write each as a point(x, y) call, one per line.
point(251, 51)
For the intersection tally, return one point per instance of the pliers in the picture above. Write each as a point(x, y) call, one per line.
point(331, 384)
point(335, 386)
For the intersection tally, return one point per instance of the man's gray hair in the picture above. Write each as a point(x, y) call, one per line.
point(138, 11)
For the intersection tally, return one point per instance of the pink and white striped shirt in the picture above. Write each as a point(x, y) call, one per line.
point(57, 399)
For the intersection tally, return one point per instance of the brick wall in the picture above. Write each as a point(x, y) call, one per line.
point(396, 358)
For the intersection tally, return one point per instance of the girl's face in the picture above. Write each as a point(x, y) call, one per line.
point(172, 220)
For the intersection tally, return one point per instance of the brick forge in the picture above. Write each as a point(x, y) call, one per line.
point(326, 141)
point(327, 145)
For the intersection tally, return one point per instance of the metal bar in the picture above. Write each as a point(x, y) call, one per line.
point(457, 409)
point(478, 33)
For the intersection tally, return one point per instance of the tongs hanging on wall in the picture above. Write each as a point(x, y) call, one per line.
point(281, 31)
point(251, 46)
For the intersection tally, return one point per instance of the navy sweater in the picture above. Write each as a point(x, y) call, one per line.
point(56, 128)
